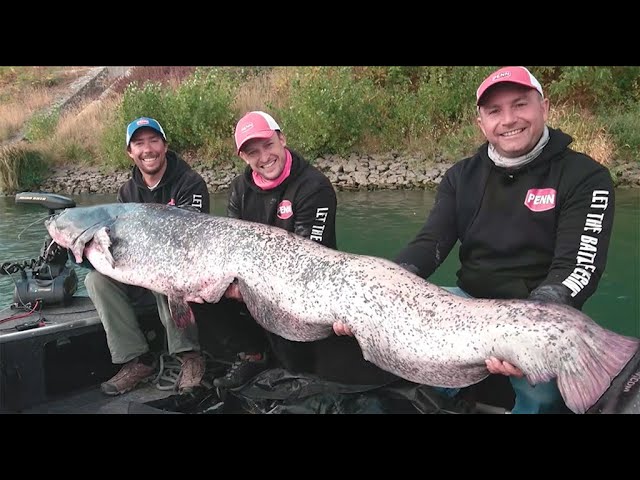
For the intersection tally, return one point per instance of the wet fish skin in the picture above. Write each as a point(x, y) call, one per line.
point(297, 289)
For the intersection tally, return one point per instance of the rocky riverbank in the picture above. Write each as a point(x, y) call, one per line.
point(357, 172)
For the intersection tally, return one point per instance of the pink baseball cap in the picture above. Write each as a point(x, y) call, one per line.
point(519, 75)
point(254, 125)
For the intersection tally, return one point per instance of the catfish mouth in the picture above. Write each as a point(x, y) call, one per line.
point(50, 220)
point(67, 238)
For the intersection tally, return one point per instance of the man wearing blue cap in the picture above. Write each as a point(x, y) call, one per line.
point(158, 176)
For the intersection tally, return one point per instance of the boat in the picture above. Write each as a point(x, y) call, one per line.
point(54, 355)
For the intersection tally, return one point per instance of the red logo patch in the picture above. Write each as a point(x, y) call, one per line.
point(540, 199)
point(285, 210)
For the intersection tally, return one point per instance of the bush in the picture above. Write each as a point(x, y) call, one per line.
point(197, 115)
point(624, 126)
point(41, 126)
point(200, 114)
point(594, 88)
point(330, 112)
point(20, 168)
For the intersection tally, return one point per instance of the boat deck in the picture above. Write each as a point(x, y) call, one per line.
point(93, 401)
point(58, 365)
point(55, 320)
point(58, 362)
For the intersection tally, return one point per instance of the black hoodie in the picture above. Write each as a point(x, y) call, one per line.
point(180, 186)
point(305, 203)
point(540, 232)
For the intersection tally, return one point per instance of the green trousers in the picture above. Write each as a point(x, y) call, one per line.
point(126, 340)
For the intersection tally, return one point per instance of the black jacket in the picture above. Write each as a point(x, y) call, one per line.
point(305, 203)
point(541, 232)
point(180, 186)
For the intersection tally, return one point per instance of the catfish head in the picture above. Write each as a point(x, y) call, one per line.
point(74, 228)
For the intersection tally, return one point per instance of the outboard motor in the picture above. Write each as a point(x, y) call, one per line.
point(46, 279)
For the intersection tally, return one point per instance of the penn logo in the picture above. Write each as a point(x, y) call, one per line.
point(540, 199)
point(501, 75)
point(285, 210)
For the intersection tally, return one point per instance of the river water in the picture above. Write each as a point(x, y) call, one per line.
point(379, 223)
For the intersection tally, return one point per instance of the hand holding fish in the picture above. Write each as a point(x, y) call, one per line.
point(341, 329)
point(499, 367)
point(495, 366)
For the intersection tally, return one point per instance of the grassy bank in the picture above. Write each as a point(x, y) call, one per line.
point(428, 112)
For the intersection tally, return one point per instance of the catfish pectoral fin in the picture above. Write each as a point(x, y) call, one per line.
point(181, 312)
point(103, 241)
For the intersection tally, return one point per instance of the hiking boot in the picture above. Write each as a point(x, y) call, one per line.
point(130, 375)
point(242, 370)
point(192, 371)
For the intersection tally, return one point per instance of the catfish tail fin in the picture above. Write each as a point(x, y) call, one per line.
point(601, 357)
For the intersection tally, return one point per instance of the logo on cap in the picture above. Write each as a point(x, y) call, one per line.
point(519, 75)
point(501, 75)
point(254, 125)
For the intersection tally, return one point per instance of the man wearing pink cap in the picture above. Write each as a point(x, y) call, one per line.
point(279, 187)
point(533, 217)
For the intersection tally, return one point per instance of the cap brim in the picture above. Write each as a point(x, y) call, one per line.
point(261, 134)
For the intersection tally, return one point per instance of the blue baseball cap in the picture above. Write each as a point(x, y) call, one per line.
point(144, 122)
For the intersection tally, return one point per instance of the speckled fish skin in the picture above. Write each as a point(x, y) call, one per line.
point(297, 289)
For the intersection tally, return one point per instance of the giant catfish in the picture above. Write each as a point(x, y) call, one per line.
point(298, 288)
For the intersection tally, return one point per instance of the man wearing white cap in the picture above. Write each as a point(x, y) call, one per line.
point(533, 217)
point(278, 187)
